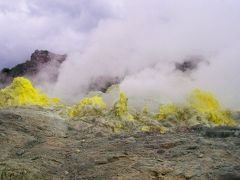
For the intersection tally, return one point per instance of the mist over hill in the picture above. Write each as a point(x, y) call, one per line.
point(156, 48)
point(40, 62)
point(119, 89)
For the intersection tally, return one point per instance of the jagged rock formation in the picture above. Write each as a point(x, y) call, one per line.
point(43, 67)
point(102, 83)
point(189, 64)
point(40, 59)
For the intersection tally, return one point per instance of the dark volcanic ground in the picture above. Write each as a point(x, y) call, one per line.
point(37, 143)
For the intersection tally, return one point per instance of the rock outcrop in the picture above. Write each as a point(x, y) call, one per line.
point(39, 60)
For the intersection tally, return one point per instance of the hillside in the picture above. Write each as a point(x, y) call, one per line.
point(40, 144)
point(39, 60)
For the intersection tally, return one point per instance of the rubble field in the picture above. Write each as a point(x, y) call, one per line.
point(38, 143)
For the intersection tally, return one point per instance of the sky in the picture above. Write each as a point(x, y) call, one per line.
point(60, 26)
point(139, 41)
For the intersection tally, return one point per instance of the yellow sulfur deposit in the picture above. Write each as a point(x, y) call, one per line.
point(166, 110)
point(203, 101)
point(206, 104)
point(120, 108)
point(145, 110)
point(22, 93)
point(88, 107)
point(157, 129)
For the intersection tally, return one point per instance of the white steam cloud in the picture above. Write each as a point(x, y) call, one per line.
point(140, 41)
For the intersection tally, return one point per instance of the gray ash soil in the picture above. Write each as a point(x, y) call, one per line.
point(37, 143)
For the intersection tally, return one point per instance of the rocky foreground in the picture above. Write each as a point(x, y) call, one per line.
point(39, 144)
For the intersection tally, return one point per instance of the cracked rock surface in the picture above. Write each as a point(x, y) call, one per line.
point(39, 144)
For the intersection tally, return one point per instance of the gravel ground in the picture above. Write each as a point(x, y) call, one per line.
point(37, 143)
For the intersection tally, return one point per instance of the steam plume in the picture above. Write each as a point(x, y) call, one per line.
point(145, 42)
point(160, 49)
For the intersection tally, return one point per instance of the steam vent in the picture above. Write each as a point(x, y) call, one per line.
point(119, 90)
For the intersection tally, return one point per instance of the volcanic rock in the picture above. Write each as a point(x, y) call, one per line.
point(34, 146)
point(39, 60)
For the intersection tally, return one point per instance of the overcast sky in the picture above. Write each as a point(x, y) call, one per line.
point(61, 26)
point(139, 40)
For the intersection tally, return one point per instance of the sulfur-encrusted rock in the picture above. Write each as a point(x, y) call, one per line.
point(22, 93)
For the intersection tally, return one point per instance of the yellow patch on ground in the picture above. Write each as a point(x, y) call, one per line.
point(206, 104)
point(88, 107)
point(22, 93)
point(121, 106)
point(166, 110)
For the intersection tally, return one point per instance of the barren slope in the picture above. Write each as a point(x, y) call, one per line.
point(39, 144)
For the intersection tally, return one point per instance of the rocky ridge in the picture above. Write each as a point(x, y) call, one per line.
point(39, 60)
